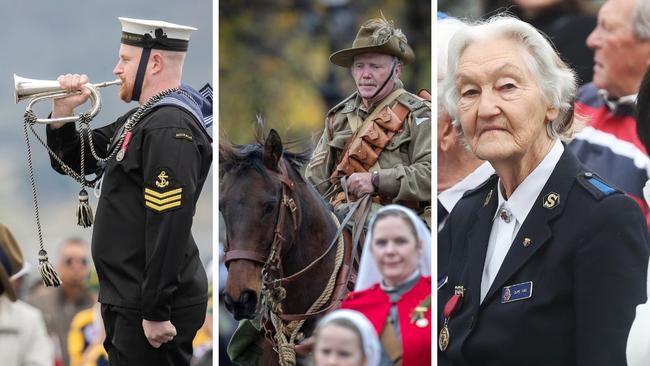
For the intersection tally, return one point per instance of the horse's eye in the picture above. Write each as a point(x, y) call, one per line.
point(268, 207)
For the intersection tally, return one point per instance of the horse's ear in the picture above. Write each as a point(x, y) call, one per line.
point(225, 159)
point(272, 150)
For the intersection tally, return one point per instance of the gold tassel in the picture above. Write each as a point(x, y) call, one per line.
point(49, 275)
point(84, 211)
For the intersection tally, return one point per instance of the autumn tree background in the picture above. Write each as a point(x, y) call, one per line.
point(274, 60)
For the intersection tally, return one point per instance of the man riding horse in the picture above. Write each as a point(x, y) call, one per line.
point(378, 140)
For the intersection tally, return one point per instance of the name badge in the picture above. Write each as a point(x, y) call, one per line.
point(517, 292)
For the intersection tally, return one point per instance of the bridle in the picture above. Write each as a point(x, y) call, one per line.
point(273, 293)
point(272, 260)
point(288, 204)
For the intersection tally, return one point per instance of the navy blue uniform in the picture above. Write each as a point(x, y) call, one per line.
point(147, 261)
point(577, 268)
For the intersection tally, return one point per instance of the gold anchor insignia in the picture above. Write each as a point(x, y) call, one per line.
point(162, 181)
point(551, 200)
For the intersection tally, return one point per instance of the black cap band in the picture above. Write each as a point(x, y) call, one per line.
point(160, 42)
point(139, 76)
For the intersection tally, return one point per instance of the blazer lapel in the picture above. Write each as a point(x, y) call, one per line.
point(477, 243)
point(536, 231)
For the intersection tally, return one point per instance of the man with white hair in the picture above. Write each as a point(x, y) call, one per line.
point(609, 144)
point(152, 285)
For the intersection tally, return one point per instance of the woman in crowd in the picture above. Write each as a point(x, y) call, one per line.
point(547, 260)
point(395, 285)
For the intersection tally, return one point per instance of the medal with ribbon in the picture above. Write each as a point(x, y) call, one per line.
point(417, 316)
point(125, 145)
point(450, 307)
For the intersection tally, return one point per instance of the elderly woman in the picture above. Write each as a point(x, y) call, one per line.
point(395, 287)
point(346, 338)
point(547, 261)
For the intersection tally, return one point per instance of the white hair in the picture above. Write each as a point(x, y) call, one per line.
point(554, 78)
point(641, 19)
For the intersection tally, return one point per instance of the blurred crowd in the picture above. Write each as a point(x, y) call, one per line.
point(43, 326)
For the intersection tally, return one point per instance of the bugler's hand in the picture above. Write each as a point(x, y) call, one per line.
point(64, 106)
point(158, 333)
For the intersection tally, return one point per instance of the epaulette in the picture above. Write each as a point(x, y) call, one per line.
point(481, 186)
point(596, 185)
point(347, 105)
point(412, 101)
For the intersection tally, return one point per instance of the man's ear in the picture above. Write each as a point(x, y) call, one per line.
point(447, 133)
point(156, 63)
point(398, 70)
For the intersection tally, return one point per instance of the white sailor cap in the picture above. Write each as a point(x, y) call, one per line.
point(155, 34)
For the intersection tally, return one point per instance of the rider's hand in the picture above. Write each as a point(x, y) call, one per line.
point(360, 184)
point(158, 333)
point(64, 106)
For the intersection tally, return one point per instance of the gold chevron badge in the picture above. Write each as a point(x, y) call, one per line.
point(162, 201)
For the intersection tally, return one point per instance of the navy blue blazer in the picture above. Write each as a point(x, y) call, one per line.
point(580, 259)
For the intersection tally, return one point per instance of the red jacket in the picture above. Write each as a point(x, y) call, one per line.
point(375, 305)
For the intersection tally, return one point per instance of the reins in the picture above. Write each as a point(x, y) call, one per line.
point(273, 293)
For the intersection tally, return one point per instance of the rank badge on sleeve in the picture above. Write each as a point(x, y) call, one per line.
point(162, 193)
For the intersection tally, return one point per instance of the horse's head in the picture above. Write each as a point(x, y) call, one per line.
point(253, 183)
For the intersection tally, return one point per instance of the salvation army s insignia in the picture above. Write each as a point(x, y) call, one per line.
point(551, 200)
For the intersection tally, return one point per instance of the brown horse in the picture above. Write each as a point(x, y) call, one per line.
point(267, 206)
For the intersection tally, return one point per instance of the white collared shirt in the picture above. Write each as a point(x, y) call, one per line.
point(613, 103)
point(511, 214)
point(450, 196)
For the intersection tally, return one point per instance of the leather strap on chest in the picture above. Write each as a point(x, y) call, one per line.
point(362, 151)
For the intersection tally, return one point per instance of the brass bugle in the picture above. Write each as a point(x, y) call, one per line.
point(35, 90)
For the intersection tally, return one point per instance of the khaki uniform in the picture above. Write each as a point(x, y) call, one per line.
point(404, 166)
